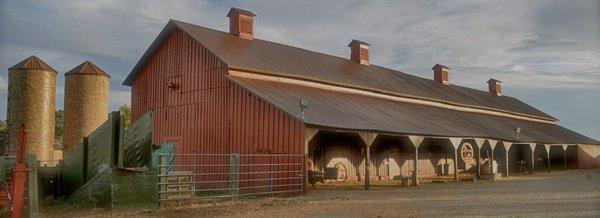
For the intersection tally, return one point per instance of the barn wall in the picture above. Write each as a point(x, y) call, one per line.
point(196, 107)
point(204, 112)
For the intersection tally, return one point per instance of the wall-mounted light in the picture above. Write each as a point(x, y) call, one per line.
point(304, 103)
point(517, 131)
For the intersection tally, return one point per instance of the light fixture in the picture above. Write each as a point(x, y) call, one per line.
point(517, 131)
point(304, 103)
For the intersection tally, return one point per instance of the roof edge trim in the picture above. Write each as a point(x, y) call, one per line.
point(338, 129)
point(384, 95)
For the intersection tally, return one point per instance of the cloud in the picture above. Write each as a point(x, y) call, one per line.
point(3, 85)
point(118, 98)
point(529, 45)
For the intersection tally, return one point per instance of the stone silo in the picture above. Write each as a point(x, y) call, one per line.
point(31, 101)
point(86, 103)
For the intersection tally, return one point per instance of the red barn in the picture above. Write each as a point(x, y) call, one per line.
point(215, 92)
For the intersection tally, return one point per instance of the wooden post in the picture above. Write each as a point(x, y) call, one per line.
point(162, 173)
point(493, 144)
point(565, 160)
point(547, 147)
point(455, 142)
point(416, 167)
point(416, 141)
point(32, 185)
point(564, 147)
point(532, 168)
point(234, 176)
point(367, 167)
point(507, 146)
point(368, 139)
point(506, 164)
point(479, 143)
point(309, 133)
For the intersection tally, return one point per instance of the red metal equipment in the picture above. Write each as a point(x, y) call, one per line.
point(15, 196)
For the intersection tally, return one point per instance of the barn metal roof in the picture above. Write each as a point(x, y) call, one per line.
point(240, 11)
point(282, 60)
point(87, 68)
point(337, 110)
point(32, 63)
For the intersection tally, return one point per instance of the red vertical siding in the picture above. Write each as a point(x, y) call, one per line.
point(206, 112)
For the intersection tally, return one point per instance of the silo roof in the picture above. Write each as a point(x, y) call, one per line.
point(87, 68)
point(32, 63)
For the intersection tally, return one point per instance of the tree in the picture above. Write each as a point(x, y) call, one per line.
point(3, 136)
point(125, 112)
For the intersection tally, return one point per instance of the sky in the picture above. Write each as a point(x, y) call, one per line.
point(547, 53)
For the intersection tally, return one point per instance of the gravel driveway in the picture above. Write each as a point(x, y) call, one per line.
point(570, 193)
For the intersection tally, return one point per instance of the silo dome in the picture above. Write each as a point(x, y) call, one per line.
point(31, 102)
point(86, 103)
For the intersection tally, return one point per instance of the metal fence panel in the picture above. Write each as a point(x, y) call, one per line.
point(212, 176)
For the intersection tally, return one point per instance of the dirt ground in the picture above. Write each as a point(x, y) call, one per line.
point(570, 193)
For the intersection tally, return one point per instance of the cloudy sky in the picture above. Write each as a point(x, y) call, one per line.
point(547, 53)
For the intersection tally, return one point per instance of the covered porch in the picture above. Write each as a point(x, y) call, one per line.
point(363, 157)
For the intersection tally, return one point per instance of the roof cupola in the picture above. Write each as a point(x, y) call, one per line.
point(359, 51)
point(494, 87)
point(440, 73)
point(241, 23)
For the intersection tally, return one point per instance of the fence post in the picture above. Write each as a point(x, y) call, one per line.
point(234, 162)
point(32, 184)
point(162, 178)
point(304, 174)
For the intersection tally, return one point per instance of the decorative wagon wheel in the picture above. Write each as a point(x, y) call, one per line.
point(342, 172)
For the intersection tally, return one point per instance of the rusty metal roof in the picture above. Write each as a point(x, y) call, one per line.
point(359, 42)
point(240, 11)
point(32, 63)
point(87, 68)
point(337, 110)
point(282, 60)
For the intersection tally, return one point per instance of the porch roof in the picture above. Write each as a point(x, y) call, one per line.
point(337, 110)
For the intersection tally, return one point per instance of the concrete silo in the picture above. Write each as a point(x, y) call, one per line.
point(86, 103)
point(31, 101)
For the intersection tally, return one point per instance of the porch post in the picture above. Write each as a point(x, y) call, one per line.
point(532, 168)
point(493, 144)
point(455, 143)
point(507, 146)
point(547, 147)
point(479, 144)
point(309, 134)
point(564, 147)
point(368, 139)
point(416, 141)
